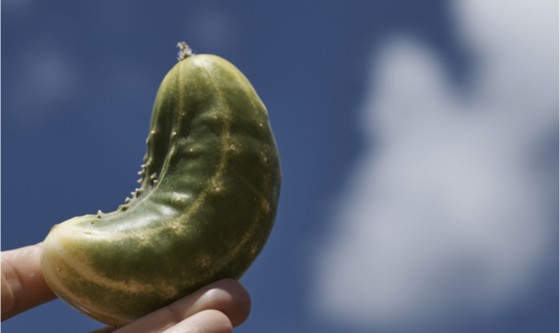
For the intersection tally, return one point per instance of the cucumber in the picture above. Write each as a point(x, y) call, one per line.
point(210, 185)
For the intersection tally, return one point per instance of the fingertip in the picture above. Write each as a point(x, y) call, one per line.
point(231, 298)
point(209, 321)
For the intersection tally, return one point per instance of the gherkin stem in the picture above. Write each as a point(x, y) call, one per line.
point(184, 51)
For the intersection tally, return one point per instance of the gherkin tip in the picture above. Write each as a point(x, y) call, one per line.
point(184, 51)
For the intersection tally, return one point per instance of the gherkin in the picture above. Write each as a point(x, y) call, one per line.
point(210, 185)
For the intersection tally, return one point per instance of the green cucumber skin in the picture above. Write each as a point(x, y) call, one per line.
point(207, 202)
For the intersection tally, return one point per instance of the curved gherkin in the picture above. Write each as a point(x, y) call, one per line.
point(207, 202)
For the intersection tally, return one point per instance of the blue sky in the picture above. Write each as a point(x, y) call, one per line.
point(419, 145)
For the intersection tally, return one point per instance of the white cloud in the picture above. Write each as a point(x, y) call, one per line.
point(449, 211)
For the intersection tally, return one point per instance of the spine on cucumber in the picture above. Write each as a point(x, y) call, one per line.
point(209, 189)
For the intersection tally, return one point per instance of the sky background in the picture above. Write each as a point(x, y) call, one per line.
point(418, 139)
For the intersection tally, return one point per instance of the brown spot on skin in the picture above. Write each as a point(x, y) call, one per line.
point(265, 206)
point(204, 261)
point(264, 158)
point(254, 249)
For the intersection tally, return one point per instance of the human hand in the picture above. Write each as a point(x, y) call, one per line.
point(215, 308)
point(23, 286)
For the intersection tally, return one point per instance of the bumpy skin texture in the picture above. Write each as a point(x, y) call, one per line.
point(209, 191)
